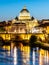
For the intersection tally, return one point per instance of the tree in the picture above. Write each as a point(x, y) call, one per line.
point(33, 40)
point(1, 41)
point(2, 29)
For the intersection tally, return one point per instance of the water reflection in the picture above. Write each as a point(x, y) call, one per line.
point(31, 56)
point(24, 56)
point(19, 57)
point(15, 56)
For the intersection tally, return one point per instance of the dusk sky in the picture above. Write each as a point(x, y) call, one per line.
point(9, 9)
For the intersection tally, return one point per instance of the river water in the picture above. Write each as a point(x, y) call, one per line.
point(23, 56)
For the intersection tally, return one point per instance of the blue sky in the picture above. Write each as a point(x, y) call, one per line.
point(9, 9)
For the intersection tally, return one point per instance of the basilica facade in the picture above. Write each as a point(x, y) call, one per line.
point(24, 23)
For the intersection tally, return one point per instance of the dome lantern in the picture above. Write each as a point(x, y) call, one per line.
point(24, 14)
point(24, 7)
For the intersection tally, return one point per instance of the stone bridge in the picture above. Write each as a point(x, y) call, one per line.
point(23, 36)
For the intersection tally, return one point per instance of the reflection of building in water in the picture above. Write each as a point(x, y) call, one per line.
point(15, 56)
point(44, 57)
point(28, 56)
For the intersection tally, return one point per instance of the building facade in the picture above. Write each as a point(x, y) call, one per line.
point(23, 23)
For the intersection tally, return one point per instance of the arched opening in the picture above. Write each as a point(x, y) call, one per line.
point(17, 40)
point(1, 42)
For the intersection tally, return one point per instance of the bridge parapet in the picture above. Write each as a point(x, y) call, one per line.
point(24, 36)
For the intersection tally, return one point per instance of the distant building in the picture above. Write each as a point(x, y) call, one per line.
point(18, 28)
point(44, 26)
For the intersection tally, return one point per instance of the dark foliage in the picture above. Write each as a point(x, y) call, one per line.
point(32, 41)
point(2, 29)
point(1, 41)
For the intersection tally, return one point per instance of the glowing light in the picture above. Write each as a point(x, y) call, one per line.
point(15, 30)
point(15, 56)
point(33, 57)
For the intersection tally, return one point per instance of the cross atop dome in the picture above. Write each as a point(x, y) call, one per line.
point(24, 7)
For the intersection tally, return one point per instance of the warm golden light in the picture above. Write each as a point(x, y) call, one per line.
point(15, 56)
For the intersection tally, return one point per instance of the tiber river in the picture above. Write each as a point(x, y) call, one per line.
point(23, 56)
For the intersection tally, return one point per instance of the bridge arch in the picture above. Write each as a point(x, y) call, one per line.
point(2, 41)
point(17, 40)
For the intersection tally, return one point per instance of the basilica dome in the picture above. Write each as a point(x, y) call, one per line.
point(24, 14)
point(24, 10)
